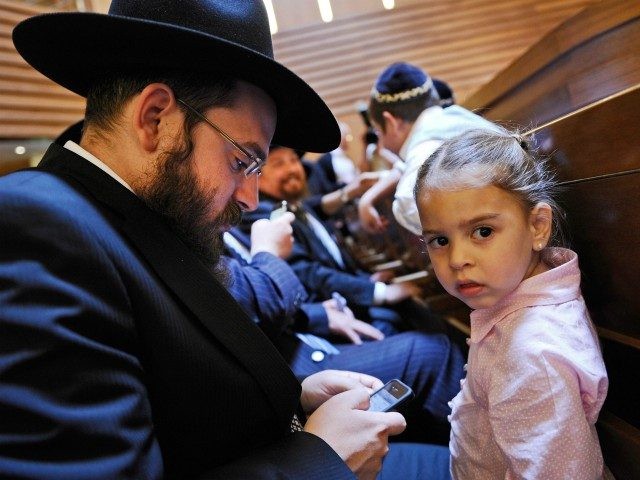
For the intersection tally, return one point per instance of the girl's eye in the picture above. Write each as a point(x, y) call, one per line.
point(482, 232)
point(437, 242)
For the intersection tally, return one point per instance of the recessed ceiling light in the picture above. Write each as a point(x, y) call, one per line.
point(325, 10)
point(20, 150)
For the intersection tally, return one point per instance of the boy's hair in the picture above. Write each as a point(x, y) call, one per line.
point(507, 160)
point(404, 91)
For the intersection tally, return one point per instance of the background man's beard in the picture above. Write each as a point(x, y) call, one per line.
point(294, 194)
point(174, 193)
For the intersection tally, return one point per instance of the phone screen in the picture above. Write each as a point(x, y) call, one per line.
point(389, 396)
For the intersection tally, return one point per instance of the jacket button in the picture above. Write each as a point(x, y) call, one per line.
point(317, 356)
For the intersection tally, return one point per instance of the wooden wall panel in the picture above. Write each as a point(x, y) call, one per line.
point(30, 104)
point(595, 54)
point(462, 41)
point(465, 42)
point(584, 80)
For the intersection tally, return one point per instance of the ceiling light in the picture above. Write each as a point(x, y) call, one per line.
point(325, 10)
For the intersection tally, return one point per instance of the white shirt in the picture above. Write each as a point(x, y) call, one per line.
point(343, 166)
point(379, 288)
point(78, 150)
point(431, 128)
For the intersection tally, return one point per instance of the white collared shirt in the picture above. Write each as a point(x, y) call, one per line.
point(431, 128)
point(78, 150)
point(343, 166)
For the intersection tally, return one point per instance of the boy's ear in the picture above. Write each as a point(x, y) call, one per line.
point(390, 122)
point(154, 104)
point(541, 222)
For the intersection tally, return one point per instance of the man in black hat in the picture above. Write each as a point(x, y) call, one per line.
point(122, 355)
point(408, 113)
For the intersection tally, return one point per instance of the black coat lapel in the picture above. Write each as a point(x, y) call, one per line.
point(184, 274)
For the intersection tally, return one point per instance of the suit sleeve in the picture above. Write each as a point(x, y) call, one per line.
point(301, 455)
point(73, 403)
point(267, 289)
point(313, 319)
point(318, 279)
point(322, 280)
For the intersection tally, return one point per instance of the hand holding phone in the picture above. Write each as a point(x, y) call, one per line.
point(392, 395)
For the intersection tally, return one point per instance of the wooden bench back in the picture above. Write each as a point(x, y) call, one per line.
point(581, 85)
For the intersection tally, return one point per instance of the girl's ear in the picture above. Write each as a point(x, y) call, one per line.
point(540, 222)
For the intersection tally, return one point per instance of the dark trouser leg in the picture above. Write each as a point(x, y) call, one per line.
point(429, 363)
point(406, 461)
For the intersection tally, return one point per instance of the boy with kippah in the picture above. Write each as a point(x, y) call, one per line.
point(406, 110)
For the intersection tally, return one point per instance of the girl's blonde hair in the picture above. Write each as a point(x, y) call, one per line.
point(479, 158)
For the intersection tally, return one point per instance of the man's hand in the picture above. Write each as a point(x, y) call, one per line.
point(345, 324)
point(361, 438)
point(321, 386)
point(273, 236)
point(370, 218)
point(384, 276)
point(397, 292)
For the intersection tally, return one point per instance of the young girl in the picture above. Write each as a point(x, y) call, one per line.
point(536, 380)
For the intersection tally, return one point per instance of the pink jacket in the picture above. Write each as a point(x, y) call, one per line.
point(535, 384)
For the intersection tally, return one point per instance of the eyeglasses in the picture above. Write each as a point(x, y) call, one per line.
point(255, 163)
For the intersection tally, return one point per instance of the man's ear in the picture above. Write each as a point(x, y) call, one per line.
point(152, 107)
point(541, 222)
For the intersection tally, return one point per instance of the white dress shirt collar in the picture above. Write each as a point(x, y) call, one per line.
point(77, 149)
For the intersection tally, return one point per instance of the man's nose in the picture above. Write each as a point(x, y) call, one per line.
point(246, 193)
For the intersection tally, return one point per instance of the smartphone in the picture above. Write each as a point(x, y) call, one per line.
point(389, 397)
point(278, 212)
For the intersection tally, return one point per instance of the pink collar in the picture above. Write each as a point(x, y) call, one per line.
point(560, 284)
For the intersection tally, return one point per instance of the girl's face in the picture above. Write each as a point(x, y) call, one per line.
point(482, 242)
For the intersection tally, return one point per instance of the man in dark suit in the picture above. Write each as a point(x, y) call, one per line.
point(323, 266)
point(122, 355)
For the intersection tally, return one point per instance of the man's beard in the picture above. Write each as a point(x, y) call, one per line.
point(294, 195)
point(175, 194)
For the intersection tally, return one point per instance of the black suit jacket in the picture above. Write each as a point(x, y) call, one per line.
point(313, 264)
point(121, 356)
point(321, 177)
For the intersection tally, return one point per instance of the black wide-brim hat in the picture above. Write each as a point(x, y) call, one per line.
point(217, 37)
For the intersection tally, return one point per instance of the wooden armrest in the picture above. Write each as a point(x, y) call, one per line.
point(387, 265)
point(411, 277)
point(620, 445)
point(375, 258)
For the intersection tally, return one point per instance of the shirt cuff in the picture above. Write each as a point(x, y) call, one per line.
point(317, 321)
point(400, 165)
point(379, 293)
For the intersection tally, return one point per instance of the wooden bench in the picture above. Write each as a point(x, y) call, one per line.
point(579, 87)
